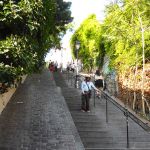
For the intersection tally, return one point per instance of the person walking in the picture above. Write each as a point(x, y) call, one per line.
point(86, 87)
point(56, 66)
point(51, 69)
point(100, 83)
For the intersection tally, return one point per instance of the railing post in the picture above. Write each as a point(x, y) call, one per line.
point(94, 98)
point(127, 127)
point(106, 110)
point(71, 79)
point(68, 75)
point(94, 92)
point(77, 81)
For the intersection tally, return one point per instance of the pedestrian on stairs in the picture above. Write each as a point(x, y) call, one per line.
point(86, 87)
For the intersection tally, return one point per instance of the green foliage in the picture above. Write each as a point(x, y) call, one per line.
point(90, 36)
point(122, 33)
point(27, 30)
point(119, 37)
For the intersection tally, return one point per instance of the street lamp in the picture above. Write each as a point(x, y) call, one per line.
point(77, 45)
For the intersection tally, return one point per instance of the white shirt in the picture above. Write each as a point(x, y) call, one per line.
point(86, 86)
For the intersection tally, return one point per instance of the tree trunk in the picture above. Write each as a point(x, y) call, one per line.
point(143, 71)
point(136, 67)
point(127, 91)
point(135, 75)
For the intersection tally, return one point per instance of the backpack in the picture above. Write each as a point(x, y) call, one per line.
point(99, 83)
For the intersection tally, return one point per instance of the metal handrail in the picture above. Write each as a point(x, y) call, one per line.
point(143, 123)
point(127, 112)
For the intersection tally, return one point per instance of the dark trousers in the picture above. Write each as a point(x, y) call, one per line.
point(85, 102)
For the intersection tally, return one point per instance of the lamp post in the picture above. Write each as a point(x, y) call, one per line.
point(77, 45)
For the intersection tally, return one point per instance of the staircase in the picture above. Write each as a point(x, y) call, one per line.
point(95, 133)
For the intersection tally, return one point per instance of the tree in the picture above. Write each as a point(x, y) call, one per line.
point(123, 27)
point(28, 29)
point(89, 35)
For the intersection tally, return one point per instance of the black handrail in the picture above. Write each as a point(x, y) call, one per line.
point(143, 123)
point(127, 112)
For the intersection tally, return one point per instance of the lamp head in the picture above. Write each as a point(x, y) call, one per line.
point(77, 45)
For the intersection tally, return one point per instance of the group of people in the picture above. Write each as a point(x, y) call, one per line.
point(70, 67)
point(53, 66)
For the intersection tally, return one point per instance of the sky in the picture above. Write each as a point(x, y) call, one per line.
point(80, 10)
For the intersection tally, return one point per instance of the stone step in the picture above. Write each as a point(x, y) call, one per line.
point(89, 125)
point(77, 112)
point(85, 117)
point(132, 144)
point(106, 133)
point(89, 120)
point(104, 145)
point(94, 134)
point(97, 140)
point(88, 129)
point(116, 139)
point(74, 107)
point(71, 96)
point(73, 100)
point(70, 101)
point(82, 114)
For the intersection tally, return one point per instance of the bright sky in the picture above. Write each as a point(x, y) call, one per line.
point(81, 9)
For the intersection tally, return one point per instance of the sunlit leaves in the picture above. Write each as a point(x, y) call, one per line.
point(89, 35)
point(122, 33)
point(28, 28)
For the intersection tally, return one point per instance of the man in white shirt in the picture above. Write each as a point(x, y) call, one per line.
point(86, 88)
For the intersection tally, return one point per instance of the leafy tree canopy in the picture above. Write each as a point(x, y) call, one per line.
point(122, 33)
point(89, 35)
point(28, 28)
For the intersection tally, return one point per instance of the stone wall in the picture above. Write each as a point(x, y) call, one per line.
point(111, 85)
point(5, 97)
point(110, 77)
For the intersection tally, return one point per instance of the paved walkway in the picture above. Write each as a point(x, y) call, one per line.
point(37, 118)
